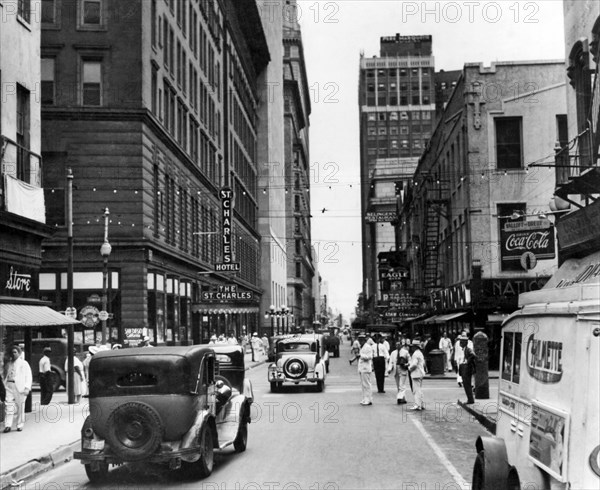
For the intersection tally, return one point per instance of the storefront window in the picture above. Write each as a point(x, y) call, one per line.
point(511, 361)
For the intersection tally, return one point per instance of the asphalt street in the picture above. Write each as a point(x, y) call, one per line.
point(303, 439)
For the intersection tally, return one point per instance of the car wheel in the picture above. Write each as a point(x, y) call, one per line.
point(99, 475)
point(134, 431)
point(274, 387)
point(241, 440)
point(205, 464)
point(320, 385)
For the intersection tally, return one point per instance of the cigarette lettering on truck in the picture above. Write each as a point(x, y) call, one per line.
point(544, 360)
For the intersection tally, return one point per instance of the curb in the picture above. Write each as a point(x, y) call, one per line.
point(62, 454)
point(487, 422)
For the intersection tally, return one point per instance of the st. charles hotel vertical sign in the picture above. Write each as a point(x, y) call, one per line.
point(226, 195)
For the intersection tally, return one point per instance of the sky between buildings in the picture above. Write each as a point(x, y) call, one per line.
point(334, 34)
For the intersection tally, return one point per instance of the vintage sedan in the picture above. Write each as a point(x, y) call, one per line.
point(301, 358)
point(168, 405)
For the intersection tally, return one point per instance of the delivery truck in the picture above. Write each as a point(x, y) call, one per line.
point(547, 430)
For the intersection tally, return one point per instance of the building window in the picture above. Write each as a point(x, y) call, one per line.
point(372, 131)
point(381, 116)
point(394, 144)
point(47, 81)
point(403, 129)
point(153, 26)
point(372, 116)
point(23, 125)
point(393, 116)
point(91, 12)
point(48, 12)
point(91, 87)
point(394, 130)
point(298, 270)
point(382, 131)
point(508, 143)
point(24, 9)
point(154, 89)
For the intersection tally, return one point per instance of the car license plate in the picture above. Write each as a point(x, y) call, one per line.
point(93, 444)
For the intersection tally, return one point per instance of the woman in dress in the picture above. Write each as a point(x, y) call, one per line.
point(79, 385)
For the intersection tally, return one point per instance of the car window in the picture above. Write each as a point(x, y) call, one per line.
point(297, 347)
point(137, 379)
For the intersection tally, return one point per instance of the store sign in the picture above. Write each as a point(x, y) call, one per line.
point(381, 216)
point(90, 316)
point(451, 298)
point(397, 274)
point(226, 195)
point(511, 287)
point(517, 238)
point(580, 227)
point(226, 293)
point(17, 281)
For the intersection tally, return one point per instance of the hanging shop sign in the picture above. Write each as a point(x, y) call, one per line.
point(228, 292)
point(228, 265)
point(452, 298)
point(381, 216)
point(518, 238)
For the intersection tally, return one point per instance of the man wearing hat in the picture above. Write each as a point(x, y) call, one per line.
point(46, 378)
point(467, 367)
point(255, 345)
point(17, 380)
point(416, 368)
point(365, 368)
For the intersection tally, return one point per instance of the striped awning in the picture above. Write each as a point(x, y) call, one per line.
point(12, 315)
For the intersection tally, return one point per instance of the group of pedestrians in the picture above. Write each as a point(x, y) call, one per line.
point(407, 364)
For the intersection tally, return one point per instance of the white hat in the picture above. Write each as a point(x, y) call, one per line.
point(213, 337)
point(255, 334)
point(146, 338)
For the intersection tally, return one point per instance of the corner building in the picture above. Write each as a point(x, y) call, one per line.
point(152, 103)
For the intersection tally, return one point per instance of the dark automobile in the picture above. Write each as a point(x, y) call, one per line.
point(331, 341)
point(58, 356)
point(300, 358)
point(167, 405)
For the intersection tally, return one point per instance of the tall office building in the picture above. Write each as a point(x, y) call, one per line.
point(153, 104)
point(397, 116)
point(297, 176)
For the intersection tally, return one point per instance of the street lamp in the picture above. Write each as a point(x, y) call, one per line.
point(285, 311)
point(271, 314)
point(105, 250)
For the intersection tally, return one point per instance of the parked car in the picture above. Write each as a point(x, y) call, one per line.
point(301, 358)
point(168, 405)
point(58, 357)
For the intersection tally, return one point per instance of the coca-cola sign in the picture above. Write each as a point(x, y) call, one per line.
point(517, 238)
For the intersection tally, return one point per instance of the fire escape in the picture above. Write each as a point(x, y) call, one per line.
point(435, 203)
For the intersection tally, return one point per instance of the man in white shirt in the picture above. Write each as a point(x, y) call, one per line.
point(46, 378)
point(380, 357)
point(417, 373)
point(17, 380)
point(365, 368)
point(459, 355)
point(446, 346)
point(398, 364)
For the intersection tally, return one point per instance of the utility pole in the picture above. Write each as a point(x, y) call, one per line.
point(70, 301)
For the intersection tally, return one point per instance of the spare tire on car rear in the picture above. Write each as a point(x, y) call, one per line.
point(295, 368)
point(134, 431)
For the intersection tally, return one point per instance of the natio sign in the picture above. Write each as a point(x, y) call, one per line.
point(544, 360)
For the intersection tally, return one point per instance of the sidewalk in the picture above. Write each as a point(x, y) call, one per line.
point(50, 436)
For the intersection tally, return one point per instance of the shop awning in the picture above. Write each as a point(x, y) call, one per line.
point(445, 318)
point(12, 315)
